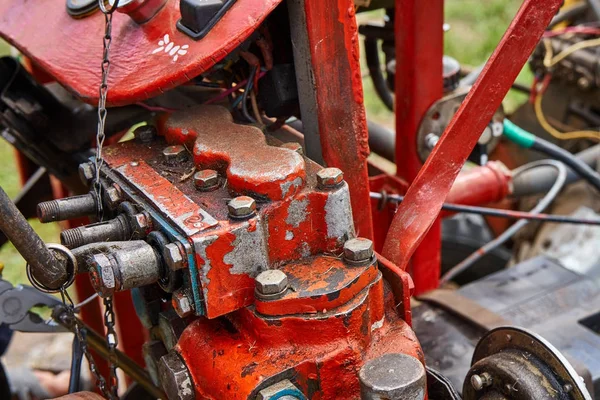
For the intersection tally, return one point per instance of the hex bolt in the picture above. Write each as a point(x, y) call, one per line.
point(481, 381)
point(206, 180)
point(140, 224)
point(271, 282)
point(182, 303)
point(113, 196)
point(392, 377)
point(129, 265)
point(241, 207)
point(87, 172)
point(175, 377)
point(67, 208)
point(175, 154)
point(329, 178)
point(358, 250)
point(174, 256)
point(107, 231)
point(145, 134)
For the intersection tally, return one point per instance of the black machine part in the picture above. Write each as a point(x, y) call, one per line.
point(514, 363)
point(540, 295)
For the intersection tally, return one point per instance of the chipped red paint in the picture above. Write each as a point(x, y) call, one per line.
point(252, 167)
point(70, 50)
point(320, 284)
point(420, 46)
point(334, 57)
point(428, 191)
point(234, 358)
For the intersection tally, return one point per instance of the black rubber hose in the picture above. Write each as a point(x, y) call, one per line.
point(374, 64)
point(49, 270)
point(569, 14)
point(560, 154)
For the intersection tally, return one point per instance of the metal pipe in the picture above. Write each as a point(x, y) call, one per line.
point(49, 270)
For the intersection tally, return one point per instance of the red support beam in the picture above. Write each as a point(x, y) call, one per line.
point(419, 84)
point(425, 196)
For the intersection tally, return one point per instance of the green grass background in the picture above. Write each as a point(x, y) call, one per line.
point(476, 27)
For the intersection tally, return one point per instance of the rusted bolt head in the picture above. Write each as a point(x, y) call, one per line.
point(297, 147)
point(329, 177)
point(175, 154)
point(87, 172)
point(358, 250)
point(206, 179)
point(175, 377)
point(242, 206)
point(182, 303)
point(103, 276)
point(173, 257)
point(113, 196)
point(272, 281)
point(145, 134)
point(140, 223)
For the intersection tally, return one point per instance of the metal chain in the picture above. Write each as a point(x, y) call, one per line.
point(70, 311)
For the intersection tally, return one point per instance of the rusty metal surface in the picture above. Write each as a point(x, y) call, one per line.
point(142, 67)
point(429, 189)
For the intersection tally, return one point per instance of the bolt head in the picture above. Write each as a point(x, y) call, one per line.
point(113, 196)
point(297, 147)
point(182, 303)
point(145, 134)
point(174, 154)
point(242, 206)
point(431, 140)
point(272, 281)
point(329, 177)
point(480, 381)
point(358, 250)
point(174, 257)
point(87, 172)
point(103, 276)
point(175, 377)
point(141, 223)
point(206, 179)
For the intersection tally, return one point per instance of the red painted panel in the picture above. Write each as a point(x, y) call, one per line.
point(70, 49)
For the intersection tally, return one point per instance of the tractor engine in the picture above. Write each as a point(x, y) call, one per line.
point(244, 264)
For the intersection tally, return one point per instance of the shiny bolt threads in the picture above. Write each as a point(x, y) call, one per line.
point(67, 208)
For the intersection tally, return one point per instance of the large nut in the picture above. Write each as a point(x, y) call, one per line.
point(87, 172)
point(175, 154)
point(145, 134)
point(103, 275)
point(281, 390)
point(242, 206)
point(175, 378)
point(182, 303)
point(174, 258)
point(206, 179)
point(328, 178)
point(358, 250)
point(113, 196)
point(271, 282)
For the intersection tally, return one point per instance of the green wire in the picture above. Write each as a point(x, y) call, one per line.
point(518, 135)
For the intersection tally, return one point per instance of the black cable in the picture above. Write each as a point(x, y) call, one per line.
point(494, 212)
point(374, 64)
point(570, 13)
point(247, 90)
point(558, 153)
point(514, 228)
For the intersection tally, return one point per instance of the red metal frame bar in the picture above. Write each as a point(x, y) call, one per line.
point(419, 84)
point(429, 189)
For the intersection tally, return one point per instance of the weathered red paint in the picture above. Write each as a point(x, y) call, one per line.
point(428, 191)
point(70, 50)
point(419, 84)
point(321, 353)
point(334, 57)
